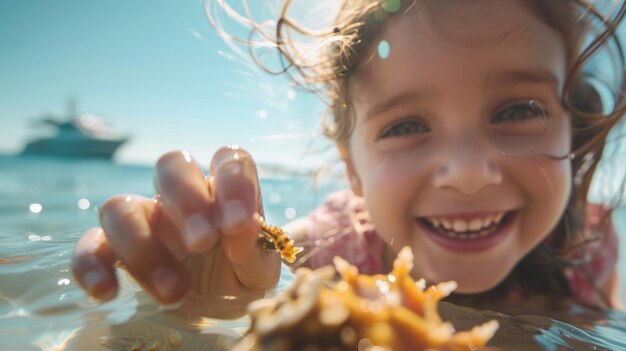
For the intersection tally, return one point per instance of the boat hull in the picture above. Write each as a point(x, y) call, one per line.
point(73, 147)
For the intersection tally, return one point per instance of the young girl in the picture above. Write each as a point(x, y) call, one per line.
point(470, 131)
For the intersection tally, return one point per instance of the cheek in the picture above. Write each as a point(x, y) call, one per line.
point(552, 180)
point(391, 186)
point(386, 174)
point(548, 185)
point(377, 169)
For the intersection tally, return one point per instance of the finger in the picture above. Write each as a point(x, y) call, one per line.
point(255, 267)
point(126, 224)
point(186, 201)
point(163, 227)
point(92, 265)
point(237, 196)
point(236, 189)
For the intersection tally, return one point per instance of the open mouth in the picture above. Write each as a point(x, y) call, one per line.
point(468, 235)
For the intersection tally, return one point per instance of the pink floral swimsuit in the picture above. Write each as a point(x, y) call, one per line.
point(340, 227)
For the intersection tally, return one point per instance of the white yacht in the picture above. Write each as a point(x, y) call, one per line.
point(84, 136)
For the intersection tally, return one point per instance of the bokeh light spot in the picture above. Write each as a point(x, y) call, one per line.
point(391, 6)
point(83, 204)
point(275, 198)
point(383, 49)
point(290, 213)
point(35, 208)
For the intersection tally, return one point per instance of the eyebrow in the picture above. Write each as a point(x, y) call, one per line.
point(399, 99)
point(501, 77)
point(523, 76)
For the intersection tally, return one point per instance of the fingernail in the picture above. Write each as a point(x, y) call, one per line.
point(164, 281)
point(231, 167)
point(239, 163)
point(197, 228)
point(235, 215)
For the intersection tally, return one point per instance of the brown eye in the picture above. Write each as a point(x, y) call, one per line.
point(404, 128)
point(520, 112)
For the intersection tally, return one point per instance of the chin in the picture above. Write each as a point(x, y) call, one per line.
point(475, 281)
point(476, 287)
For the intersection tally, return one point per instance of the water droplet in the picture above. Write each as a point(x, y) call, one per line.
point(290, 212)
point(35, 208)
point(46, 238)
point(63, 281)
point(187, 156)
point(383, 49)
point(34, 237)
point(364, 344)
point(83, 204)
point(291, 95)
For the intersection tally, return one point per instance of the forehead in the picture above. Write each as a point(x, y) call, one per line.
point(451, 40)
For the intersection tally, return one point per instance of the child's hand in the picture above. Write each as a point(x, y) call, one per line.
point(199, 234)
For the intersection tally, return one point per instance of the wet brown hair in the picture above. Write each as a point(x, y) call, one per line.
point(586, 28)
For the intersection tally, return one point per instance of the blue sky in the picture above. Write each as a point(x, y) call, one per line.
point(155, 70)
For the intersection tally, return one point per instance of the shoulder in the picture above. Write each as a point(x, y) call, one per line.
point(311, 231)
point(599, 225)
point(338, 227)
point(298, 230)
point(330, 213)
point(601, 254)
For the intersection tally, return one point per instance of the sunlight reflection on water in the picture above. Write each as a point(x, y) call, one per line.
point(41, 308)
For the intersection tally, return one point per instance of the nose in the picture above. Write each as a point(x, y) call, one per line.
point(467, 167)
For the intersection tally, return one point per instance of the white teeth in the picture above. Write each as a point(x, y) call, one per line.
point(435, 221)
point(454, 226)
point(446, 224)
point(499, 217)
point(487, 221)
point(459, 225)
point(475, 224)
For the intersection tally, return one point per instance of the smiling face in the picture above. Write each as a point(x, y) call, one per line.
point(449, 132)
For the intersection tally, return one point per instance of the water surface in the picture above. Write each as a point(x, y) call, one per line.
point(46, 204)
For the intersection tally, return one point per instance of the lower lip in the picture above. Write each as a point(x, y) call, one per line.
point(471, 245)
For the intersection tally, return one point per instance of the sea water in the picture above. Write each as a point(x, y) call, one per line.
point(45, 205)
